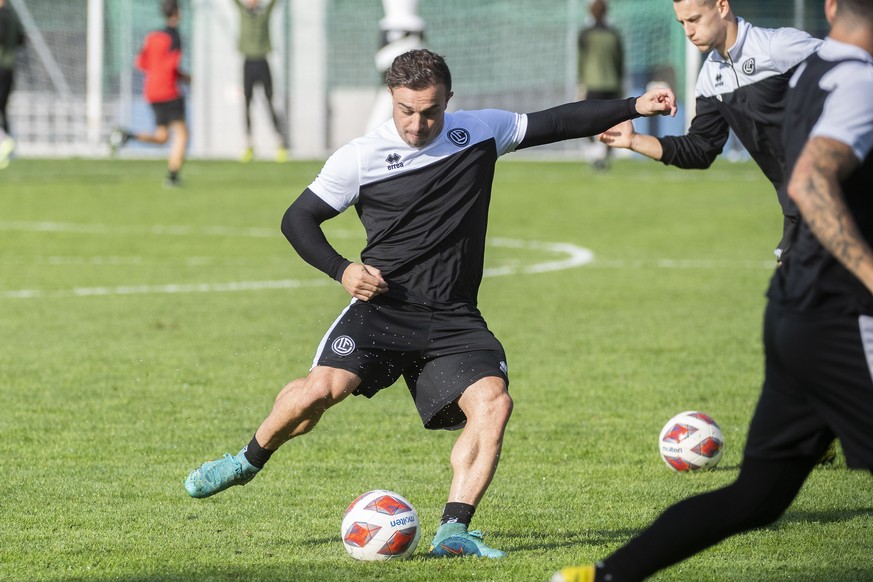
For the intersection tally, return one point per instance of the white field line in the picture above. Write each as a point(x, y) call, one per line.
point(161, 289)
point(158, 229)
point(571, 256)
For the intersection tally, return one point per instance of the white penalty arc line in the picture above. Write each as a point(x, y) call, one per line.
point(573, 256)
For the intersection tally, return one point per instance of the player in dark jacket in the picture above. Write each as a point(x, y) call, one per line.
point(818, 325)
point(741, 87)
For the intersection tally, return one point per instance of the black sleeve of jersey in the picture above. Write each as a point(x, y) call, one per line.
point(578, 119)
point(702, 144)
point(301, 226)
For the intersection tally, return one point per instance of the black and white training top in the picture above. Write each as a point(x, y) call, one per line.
point(425, 210)
point(831, 97)
point(744, 92)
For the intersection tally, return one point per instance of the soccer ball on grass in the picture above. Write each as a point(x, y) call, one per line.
point(691, 441)
point(380, 525)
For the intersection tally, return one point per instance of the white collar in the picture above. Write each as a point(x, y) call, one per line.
point(735, 51)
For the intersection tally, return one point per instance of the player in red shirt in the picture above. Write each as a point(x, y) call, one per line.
point(160, 59)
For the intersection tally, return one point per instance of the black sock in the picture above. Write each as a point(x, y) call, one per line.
point(256, 454)
point(458, 513)
point(173, 175)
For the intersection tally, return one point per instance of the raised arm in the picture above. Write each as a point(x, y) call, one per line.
point(586, 118)
point(815, 187)
point(696, 150)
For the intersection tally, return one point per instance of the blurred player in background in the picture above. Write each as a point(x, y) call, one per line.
point(11, 38)
point(255, 44)
point(402, 30)
point(818, 325)
point(160, 60)
point(741, 86)
point(421, 185)
point(601, 67)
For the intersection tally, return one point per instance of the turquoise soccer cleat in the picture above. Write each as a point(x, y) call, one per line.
point(215, 476)
point(452, 540)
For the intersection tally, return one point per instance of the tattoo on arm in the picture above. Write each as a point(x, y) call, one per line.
point(815, 187)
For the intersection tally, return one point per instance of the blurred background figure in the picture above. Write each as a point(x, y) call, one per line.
point(402, 30)
point(601, 68)
point(160, 59)
point(255, 45)
point(11, 37)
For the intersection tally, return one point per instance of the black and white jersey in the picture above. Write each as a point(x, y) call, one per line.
point(424, 210)
point(744, 92)
point(832, 97)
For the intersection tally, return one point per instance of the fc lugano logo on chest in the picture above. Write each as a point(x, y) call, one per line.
point(459, 136)
point(749, 66)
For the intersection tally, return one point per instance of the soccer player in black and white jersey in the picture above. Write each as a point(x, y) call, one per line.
point(818, 325)
point(421, 185)
point(741, 86)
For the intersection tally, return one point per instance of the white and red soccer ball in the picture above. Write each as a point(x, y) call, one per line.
point(380, 525)
point(691, 441)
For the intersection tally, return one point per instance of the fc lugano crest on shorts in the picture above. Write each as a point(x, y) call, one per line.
point(438, 352)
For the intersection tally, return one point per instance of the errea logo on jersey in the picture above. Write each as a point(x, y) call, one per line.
point(394, 161)
point(460, 136)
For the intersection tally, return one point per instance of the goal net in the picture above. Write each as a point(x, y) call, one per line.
point(518, 55)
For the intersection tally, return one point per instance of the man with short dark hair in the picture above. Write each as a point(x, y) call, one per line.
point(421, 185)
point(741, 87)
point(818, 325)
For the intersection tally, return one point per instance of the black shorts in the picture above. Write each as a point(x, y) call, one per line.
point(167, 112)
point(817, 385)
point(438, 353)
point(257, 72)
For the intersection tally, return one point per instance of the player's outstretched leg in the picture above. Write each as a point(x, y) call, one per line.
point(215, 476)
point(576, 574)
point(452, 540)
point(117, 139)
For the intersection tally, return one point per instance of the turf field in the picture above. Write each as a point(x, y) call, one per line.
point(147, 330)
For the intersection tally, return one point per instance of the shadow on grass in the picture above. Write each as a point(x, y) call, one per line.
point(832, 516)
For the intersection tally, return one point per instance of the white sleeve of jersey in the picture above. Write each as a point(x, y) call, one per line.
point(789, 47)
point(848, 110)
point(339, 181)
point(508, 128)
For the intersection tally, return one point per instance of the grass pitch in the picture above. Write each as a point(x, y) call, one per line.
point(147, 330)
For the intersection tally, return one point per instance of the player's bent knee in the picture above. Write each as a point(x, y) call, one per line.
point(493, 406)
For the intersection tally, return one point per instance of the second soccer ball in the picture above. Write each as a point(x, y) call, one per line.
point(691, 441)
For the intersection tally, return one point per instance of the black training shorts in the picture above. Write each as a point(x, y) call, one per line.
point(817, 385)
point(167, 112)
point(257, 72)
point(438, 352)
